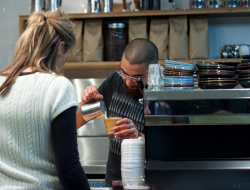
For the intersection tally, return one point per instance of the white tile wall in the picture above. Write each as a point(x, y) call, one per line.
point(221, 31)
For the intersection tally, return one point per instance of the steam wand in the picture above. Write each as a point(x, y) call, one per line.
point(141, 87)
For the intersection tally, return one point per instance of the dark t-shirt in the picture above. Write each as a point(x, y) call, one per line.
point(119, 104)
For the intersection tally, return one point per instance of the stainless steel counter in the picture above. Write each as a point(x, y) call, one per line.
point(197, 94)
point(198, 138)
point(198, 107)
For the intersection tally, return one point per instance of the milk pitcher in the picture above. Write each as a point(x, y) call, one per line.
point(94, 110)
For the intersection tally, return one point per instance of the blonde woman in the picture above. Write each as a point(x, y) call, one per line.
point(38, 139)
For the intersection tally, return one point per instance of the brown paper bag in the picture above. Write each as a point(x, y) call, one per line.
point(178, 39)
point(76, 53)
point(158, 34)
point(93, 40)
point(198, 38)
point(137, 28)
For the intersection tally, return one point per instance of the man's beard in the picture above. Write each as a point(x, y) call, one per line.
point(132, 92)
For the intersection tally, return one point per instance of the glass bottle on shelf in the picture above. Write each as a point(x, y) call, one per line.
point(232, 3)
point(144, 4)
point(208, 3)
point(191, 4)
point(226, 3)
point(155, 4)
point(201, 4)
point(245, 3)
point(220, 4)
point(216, 3)
point(238, 3)
point(197, 4)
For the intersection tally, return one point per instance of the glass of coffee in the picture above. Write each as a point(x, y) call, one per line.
point(109, 124)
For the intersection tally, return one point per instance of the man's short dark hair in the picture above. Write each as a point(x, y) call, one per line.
point(140, 51)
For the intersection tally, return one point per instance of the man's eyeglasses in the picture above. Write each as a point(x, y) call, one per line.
point(125, 76)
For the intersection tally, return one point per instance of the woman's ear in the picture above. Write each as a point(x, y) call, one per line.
point(62, 43)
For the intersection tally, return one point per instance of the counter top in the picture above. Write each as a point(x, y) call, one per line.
point(94, 167)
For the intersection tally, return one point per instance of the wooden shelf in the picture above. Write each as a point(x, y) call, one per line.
point(24, 18)
point(155, 13)
point(114, 64)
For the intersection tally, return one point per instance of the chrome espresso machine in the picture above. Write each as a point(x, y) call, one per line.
point(198, 139)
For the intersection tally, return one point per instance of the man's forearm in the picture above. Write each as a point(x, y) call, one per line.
point(79, 119)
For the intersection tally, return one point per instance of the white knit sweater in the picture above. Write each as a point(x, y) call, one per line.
point(27, 160)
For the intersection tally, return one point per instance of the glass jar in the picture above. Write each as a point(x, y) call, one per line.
point(115, 41)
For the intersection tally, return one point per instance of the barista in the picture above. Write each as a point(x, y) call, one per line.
point(121, 94)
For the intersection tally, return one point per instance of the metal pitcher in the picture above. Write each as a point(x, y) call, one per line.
point(107, 5)
point(94, 110)
point(38, 5)
point(53, 5)
point(94, 6)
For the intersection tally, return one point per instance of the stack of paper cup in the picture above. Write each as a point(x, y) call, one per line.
point(133, 161)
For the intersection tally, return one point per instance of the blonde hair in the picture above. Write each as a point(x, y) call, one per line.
point(38, 46)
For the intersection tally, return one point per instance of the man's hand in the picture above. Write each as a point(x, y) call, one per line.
point(90, 93)
point(125, 129)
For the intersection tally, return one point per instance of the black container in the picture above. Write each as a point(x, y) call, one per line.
point(115, 41)
point(117, 185)
point(155, 5)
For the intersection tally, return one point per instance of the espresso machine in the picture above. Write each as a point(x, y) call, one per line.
point(198, 139)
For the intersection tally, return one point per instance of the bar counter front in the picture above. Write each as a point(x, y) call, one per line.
point(198, 139)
